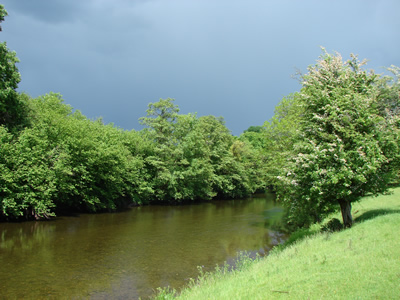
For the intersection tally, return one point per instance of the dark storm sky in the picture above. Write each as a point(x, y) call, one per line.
point(110, 58)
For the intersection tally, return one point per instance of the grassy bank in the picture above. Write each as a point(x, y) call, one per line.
point(362, 262)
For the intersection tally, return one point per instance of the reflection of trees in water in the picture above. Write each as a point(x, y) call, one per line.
point(44, 261)
point(132, 252)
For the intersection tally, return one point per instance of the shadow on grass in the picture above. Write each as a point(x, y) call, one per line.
point(375, 213)
point(333, 225)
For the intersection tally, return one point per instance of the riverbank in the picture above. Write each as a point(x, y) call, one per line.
point(358, 263)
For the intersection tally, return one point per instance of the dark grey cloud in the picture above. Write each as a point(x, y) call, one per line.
point(232, 58)
point(53, 11)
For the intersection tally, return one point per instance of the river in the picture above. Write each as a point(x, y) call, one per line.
point(127, 255)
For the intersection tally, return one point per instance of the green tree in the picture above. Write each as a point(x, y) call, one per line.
point(66, 162)
point(254, 129)
point(191, 169)
point(227, 157)
point(389, 94)
point(161, 123)
point(160, 118)
point(281, 133)
point(178, 164)
point(347, 150)
point(99, 170)
point(28, 171)
point(12, 106)
point(388, 101)
point(3, 13)
point(193, 158)
point(96, 166)
point(252, 159)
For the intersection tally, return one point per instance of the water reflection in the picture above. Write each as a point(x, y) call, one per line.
point(126, 255)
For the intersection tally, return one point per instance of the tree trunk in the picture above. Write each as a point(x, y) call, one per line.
point(345, 207)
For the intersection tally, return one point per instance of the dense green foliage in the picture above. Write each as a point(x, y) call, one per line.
point(63, 161)
point(331, 143)
point(3, 13)
point(389, 94)
point(273, 142)
point(193, 158)
point(282, 131)
point(347, 148)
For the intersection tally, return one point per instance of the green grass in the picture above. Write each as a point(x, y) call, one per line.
point(362, 262)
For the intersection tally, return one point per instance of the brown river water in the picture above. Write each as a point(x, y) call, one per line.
point(127, 255)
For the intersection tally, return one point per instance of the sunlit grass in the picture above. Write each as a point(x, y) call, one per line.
point(362, 262)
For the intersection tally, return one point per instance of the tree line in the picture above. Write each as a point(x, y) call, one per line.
point(328, 145)
point(54, 159)
point(62, 161)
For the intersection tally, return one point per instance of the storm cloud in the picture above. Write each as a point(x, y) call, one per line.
point(226, 58)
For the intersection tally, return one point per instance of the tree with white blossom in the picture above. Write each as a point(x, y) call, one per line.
point(347, 148)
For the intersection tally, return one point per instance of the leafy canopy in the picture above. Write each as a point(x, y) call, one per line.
point(12, 107)
point(346, 149)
